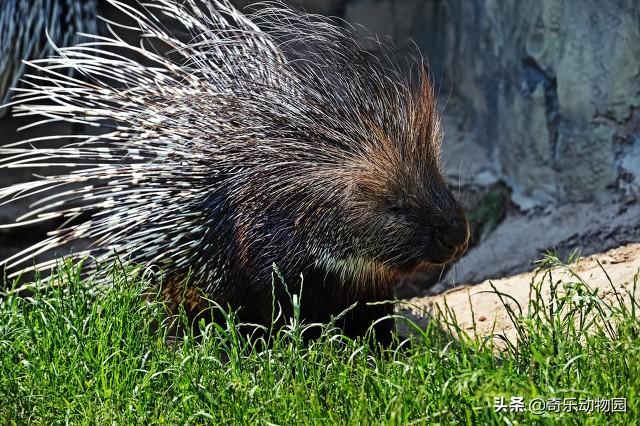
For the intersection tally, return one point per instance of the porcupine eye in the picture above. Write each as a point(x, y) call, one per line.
point(398, 208)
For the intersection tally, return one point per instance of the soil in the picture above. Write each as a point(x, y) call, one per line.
point(478, 304)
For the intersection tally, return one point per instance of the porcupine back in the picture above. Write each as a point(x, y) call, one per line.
point(273, 138)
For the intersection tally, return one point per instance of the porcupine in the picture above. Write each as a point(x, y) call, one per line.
point(269, 138)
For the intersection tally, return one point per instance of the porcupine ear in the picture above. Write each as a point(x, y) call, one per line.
point(112, 91)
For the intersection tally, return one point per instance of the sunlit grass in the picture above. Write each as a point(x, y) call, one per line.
point(83, 354)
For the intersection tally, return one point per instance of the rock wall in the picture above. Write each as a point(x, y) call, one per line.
point(552, 90)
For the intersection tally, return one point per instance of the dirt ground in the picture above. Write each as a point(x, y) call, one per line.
point(480, 302)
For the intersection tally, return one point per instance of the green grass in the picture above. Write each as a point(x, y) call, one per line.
point(78, 355)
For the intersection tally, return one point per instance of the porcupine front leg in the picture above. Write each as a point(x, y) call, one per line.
point(324, 297)
point(371, 314)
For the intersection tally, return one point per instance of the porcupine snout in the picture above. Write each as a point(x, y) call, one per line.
point(452, 235)
point(441, 226)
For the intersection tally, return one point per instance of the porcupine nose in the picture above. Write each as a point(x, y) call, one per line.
point(452, 236)
point(454, 233)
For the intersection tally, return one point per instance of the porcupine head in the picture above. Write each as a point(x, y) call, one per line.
point(262, 139)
